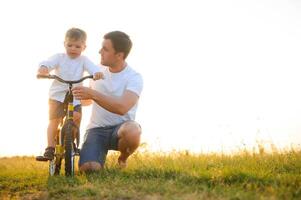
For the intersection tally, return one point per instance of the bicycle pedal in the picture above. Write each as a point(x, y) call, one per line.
point(41, 158)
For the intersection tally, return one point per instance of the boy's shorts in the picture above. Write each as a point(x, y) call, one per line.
point(56, 109)
point(97, 142)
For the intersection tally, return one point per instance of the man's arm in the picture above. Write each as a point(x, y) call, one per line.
point(86, 102)
point(118, 105)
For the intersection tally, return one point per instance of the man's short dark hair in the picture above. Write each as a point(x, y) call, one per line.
point(121, 42)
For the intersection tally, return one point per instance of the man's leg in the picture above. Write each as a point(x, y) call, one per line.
point(128, 140)
point(90, 167)
point(128, 135)
point(94, 150)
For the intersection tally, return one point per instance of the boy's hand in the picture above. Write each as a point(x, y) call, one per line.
point(98, 75)
point(43, 70)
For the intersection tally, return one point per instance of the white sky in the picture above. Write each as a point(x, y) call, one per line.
point(219, 75)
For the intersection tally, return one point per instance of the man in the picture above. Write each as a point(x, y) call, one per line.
point(112, 125)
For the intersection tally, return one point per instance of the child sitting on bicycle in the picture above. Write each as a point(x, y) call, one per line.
point(69, 66)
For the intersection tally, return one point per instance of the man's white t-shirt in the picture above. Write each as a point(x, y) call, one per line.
point(115, 84)
point(68, 69)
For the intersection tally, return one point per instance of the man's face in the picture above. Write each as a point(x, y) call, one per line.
point(108, 55)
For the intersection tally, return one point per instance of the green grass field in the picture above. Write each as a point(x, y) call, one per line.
point(177, 175)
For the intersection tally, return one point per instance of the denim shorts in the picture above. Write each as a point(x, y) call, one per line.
point(56, 109)
point(97, 142)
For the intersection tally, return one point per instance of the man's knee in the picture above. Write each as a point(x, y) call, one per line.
point(129, 128)
point(130, 132)
point(90, 166)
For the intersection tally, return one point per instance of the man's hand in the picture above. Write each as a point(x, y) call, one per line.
point(43, 70)
point(98, 75)
point(82, 93)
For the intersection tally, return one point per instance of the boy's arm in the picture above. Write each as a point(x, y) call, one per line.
point(43, 70)
point(47, 65)
point(90, 67)
point(98, 75)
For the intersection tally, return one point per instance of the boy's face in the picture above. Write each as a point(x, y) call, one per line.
point(74, 48)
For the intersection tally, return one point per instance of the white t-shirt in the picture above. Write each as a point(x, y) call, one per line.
point(115, 84)
point(68, 69)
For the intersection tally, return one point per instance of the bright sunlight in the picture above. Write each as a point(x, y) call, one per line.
point(219, 76)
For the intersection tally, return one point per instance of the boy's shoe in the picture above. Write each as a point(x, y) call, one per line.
point(49, 153)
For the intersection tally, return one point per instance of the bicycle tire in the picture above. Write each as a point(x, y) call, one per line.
point(55, 166)
point(69, 150)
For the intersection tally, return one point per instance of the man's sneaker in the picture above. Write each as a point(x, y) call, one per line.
point(121, 163)
point(49, 153)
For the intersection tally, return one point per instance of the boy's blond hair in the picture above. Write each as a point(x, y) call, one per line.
point(76, 34)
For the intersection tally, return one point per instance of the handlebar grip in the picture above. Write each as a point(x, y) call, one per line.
point(42, 76)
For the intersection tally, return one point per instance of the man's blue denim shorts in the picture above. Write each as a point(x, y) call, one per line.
point(97, 142)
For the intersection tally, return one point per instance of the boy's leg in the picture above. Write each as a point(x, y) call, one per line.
point(77, 116)
point(51, 134)
point(52, 131)
point(128, 140)
point(56, 113)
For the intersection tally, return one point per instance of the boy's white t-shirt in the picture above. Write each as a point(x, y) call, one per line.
point(115, 84)
point(68, 69)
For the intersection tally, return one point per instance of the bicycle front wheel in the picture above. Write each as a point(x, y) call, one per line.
point(69, 150)
point(55, 166)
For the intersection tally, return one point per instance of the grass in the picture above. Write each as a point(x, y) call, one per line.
point(152, 176)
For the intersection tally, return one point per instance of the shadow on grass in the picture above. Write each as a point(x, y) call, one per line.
point(180, 177)
point(59, 186)
point(102, 182)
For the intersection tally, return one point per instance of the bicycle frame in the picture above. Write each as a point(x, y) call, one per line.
point(65, 147)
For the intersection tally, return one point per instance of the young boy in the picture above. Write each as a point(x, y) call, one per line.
point(69, 66)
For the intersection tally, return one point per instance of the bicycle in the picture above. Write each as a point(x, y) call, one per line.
point(67, 134)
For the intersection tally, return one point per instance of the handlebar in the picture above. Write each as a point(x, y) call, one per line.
point(62, 80)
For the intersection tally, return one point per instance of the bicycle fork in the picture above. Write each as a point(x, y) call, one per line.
point(70, 118)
